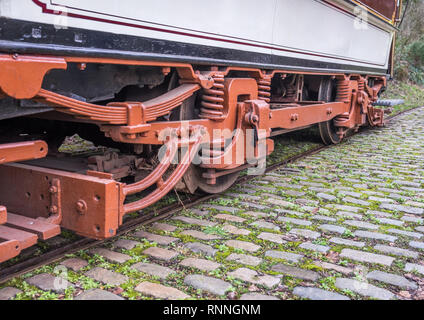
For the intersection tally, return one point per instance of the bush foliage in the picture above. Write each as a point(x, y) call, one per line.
point(409, 57)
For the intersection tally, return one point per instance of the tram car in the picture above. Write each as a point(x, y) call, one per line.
point(181, 94)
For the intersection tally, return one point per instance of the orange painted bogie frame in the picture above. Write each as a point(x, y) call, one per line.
point(97, 205)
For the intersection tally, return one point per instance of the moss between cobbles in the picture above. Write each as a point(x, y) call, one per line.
point(328, 277)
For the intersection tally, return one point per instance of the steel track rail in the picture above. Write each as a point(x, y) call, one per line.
point(151, 217)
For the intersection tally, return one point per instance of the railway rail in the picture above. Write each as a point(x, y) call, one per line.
point(149, 217)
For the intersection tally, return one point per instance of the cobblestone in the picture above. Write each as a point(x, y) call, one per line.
point(317, 294)
point(392, 279)
point(374, 235)
point(330, 218)
point(296, 272)
point(335, 267)
point(164, 227)
point(347, 242)
point(160, 253)
point(200, 235)
point(366, 257)
point(289, 256)
point(314, 247)
point(98, 295)
point(390, 222)
point(195, 221)
point(405, 209)
point(74, 264)
point(414, 267)
point(228, 217)
point(299, 222)
point(8, 293)
point(125, 244)
point(272, 237)
point(107, 276)
point(201, 248)
point(153, 269)
point(212, 285)
point(234, 230)
point(244, 259)
point(159, 291)
point(332, 228)
point(361, 224)
point(48, 282)
point(412, 219)
point(364, 289)
point(416, 244)
point(242, 245)
point(306, 233)
point(201, 264)
point(112, 256)
point(251, 276)
point(261, 224)
point(162, 240)
point(406, 233)
point(397, 251)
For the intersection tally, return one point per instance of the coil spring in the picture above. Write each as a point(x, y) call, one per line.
point(213, 100)
point(343, 91)
point(264, 87)
point(361, 84)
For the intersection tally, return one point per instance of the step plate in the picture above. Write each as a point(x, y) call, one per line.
point(26, 239)
point(42, 229)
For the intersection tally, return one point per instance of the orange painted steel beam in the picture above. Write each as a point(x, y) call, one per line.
point(9, 249)
point(21, 151)
point(299, 116)
point(88, 205)
point(26, 239)
point(21, 77)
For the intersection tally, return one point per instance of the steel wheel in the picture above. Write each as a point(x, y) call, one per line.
point(327, 130)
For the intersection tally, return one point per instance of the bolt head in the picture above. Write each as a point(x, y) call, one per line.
point(81, 207)
point(53, 209)
point(53, 189)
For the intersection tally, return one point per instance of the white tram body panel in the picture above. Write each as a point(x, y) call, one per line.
point(288, 32)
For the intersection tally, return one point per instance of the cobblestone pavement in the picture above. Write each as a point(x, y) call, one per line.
point(346, 223)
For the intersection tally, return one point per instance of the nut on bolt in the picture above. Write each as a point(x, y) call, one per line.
point(53, 209)
point(81, 207)
point(294, 117)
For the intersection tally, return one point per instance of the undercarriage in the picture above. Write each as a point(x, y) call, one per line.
point(160, 125)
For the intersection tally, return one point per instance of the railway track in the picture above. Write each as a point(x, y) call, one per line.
point(148, 218)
